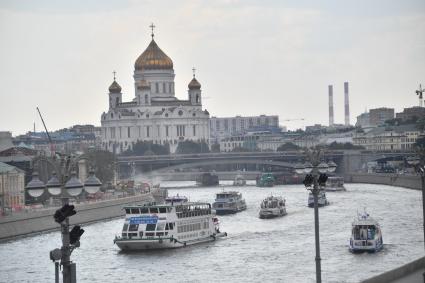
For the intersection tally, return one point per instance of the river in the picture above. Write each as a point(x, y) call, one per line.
point(256, 250)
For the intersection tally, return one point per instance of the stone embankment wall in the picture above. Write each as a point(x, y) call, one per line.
point(407, 181)
point(26, 223)
point(191, 176)
point(405, 273)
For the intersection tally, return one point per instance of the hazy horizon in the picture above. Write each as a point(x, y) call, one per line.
point(252, 57)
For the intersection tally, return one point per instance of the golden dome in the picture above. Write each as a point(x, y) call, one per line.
point(153, 58)
point(115, 87)
point(194, 84)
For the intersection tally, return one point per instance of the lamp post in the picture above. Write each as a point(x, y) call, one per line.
point(316, 176)
point(64, 187)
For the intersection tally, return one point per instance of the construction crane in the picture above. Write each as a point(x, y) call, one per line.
point(52, 147)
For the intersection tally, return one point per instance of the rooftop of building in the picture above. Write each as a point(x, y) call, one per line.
point(6, 168)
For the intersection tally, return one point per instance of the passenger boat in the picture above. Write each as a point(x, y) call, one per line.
point(164, 226)
point(228, 203)
point(207, 179)
point(321, 199)
point(335, 184)
point(272, 207)
point(239, 181)
point(174, 200)
point(366, 234)
point(265, 180)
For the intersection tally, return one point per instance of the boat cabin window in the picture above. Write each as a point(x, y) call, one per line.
point(127, 211)
point(144, 210)
point(160, 226)
point(135, 211)
point(125, 227)
point(171, 226)
point(162, 210)
point(154, 210)
point(133, 227)
point(150, 227)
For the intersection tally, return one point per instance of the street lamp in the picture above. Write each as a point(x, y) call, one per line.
point(316, 176)
point(63, 188)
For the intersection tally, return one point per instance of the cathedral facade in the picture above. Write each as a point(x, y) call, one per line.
point(155, 114)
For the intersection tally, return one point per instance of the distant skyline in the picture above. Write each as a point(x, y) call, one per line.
point(252, 57)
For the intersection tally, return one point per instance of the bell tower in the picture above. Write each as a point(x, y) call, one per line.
point(115, 95)
point(194, 90)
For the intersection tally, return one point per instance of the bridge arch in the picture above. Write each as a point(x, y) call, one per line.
point(224, 162)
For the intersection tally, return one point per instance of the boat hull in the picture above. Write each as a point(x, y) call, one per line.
point(319, 204)
point(335, 189)
point(163, 243)
point(271, 215)
point(224, 211)
point(375, 247)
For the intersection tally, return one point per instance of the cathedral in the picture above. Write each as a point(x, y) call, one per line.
point(155, 114)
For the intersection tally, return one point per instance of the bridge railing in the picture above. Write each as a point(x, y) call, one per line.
point(217, 155)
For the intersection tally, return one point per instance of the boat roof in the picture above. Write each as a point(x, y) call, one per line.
point(165, 204)
point(335, 178)
point(228, 193)
point(365, 220)
point(274, 197)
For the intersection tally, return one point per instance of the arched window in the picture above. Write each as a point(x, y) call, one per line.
point(157, 87)
point(146, 99)
point(117, 101)
point(164, 90)
point(197, 98)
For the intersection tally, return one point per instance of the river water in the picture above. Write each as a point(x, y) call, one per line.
point(256, 250)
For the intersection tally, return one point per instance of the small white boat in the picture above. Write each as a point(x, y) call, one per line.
point(335, 184)
point(228, 202)
point(366, 235)
point(272, 207)
point(321, 199)
point(167, 226)
point(239, 181)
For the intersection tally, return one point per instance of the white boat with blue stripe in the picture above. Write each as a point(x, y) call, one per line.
point(164, 226)
point(366, 235)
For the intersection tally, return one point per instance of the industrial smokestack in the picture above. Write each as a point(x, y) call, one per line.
point(346, 104)
point(331, 105)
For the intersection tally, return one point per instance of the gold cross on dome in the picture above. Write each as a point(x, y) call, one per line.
point(152, 26)
point(114, 74)
point(193, 70)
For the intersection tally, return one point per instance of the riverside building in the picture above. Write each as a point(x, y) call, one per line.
point(155, 114)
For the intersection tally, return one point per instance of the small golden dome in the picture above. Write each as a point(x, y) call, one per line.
point(115, 87)
point(153, 58)
point(194, 84)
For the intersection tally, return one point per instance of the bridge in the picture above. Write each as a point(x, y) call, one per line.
point(347, 161)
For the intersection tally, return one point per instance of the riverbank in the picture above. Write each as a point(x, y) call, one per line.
point(407, 181)
point(24, 224)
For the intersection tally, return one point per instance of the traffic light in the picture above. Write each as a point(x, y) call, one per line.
point(308, 181)
point(75, 234)
point(64, 212)
point(322, 179)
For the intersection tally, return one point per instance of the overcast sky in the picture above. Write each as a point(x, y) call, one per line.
point(252, 57)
